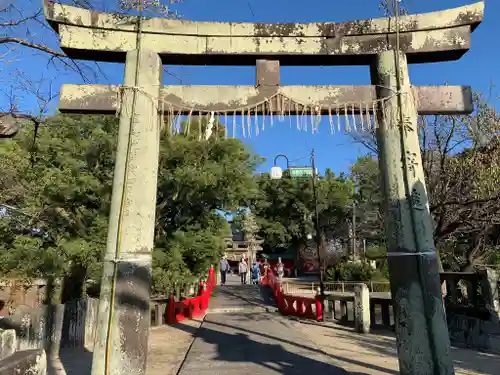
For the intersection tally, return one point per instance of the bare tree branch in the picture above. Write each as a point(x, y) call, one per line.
point(23, 27)
point(462, 171)
point(25, 43)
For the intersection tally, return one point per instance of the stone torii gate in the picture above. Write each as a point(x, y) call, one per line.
point(390, 105)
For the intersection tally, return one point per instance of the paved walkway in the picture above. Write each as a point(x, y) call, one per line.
point(238, 337)
point(234, 297)
point(253, 344)
point(169, 345)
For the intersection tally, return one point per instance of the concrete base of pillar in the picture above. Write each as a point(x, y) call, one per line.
point(8, 343)
point(491, 279)
point(362, 308)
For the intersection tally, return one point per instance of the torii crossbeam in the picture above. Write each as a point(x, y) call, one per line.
point(103, 99)
point(436, 36)
point(267, 97)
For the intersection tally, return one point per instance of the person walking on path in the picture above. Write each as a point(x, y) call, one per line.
point(266, 267)
point(280, 269)
point(224, 267)
point(255, 273)
point(243, 269)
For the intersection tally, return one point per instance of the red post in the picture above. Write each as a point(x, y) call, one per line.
point(211, 277)
point(204, 295)
point(281, 299)
point(319, 309)
point(188, 308)
point(171, 310)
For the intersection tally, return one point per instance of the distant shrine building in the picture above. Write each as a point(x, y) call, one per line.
point(237, 246)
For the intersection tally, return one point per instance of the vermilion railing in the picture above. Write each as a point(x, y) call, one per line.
point(303, 307)
point(194, 307)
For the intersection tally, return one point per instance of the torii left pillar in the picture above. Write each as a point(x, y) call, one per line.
point(121, 343)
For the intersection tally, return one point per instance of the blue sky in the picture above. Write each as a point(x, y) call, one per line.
point(478, 68)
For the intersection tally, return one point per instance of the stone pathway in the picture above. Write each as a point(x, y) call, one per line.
point(234, 297)
point(239, 337)
point(169, 346)
point(375, 354)
point(253, 344)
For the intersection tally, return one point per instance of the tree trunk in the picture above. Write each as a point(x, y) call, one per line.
point(73, 284)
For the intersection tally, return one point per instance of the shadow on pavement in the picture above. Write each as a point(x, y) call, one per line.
point(237, 347)
point(236, 352)
point(76, 361)
point(277, 353)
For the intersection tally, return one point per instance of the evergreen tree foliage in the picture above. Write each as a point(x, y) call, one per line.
point(59, 189)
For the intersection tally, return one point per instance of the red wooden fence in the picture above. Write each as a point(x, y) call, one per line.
point(303, 307)
point(194, 307)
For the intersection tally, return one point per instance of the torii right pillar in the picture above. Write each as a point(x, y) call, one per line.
point(422, 334)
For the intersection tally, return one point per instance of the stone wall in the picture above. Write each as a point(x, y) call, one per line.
point(29, 336)
point(52, 327)
point(470, 328)
point(8, 343)
point(471, 303)
point(18, 294)
point(20, 362)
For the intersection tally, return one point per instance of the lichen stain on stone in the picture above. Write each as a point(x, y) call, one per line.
point(470, 17)
point(372, 44)
point(445, 38)
point(78, 21)
point(438, 322)
point(353, 47)
point(61, 18)
point(328, 29)
point(404, 26)
point(357, 27)
point(224, 105)
point(48, 9)
point(289, 38)
point(80, 97)
point(278, 30)
point(94, 18)
point(376, 45)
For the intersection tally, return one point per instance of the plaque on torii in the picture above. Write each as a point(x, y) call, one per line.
point(391, 106)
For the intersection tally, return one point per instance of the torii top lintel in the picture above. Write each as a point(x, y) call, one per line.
point(428, 37)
